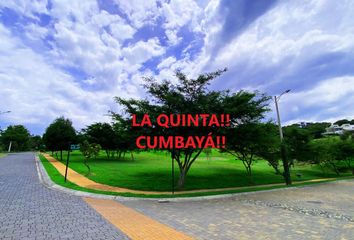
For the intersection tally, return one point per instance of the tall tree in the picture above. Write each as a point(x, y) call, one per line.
point(89, 150)
point(18, 135)
point(59, 135)
point(317, 129)
point(125, 141)
point(192, 96)
point(326, 153)
point(345, 152)
point(251, 140)
point(104, 135)
point(342, 121)
point(36, 142)
point(297, 140)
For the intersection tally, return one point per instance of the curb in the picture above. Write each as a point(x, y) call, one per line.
point(47, 182)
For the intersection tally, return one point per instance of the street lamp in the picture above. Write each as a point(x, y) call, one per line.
point(276, 100)
point(285, 161)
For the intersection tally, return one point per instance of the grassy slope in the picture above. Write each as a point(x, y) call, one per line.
point(152, 171)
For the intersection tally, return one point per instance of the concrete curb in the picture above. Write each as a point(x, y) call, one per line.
point(47, 182)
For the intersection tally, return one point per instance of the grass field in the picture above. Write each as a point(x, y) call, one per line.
point(152, 171)
point(2, 154)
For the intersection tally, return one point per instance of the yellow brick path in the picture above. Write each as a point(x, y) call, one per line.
point(83, 181)
point(134, 224)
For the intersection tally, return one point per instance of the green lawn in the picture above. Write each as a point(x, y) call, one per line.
point(152, 171)
point(2, 154)
point(58, 179)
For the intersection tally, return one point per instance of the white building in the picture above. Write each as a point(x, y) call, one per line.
point(335, 129)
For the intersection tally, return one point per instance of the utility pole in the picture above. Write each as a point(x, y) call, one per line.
point(284, 158)
point(278, 117)
point(9, 150)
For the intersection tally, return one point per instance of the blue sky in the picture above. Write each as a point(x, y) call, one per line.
point(70, 58)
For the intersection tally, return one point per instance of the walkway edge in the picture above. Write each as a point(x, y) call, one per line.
point(47, 182)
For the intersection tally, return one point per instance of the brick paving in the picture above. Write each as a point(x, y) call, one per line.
point(31, 211)
point(322, 211)
point(136, 225)
point(28, 210)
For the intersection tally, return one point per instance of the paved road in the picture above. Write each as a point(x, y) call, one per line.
point(324, 211)
point(28, 210)
point(31, 211)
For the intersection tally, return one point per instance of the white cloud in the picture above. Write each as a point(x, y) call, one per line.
point(329, 100)
point(327, 92)
point(37, 92)
point(105, 53)
point(281, 42)
point(36, 32)
point(179, 13)
point(140, 12)
point(143, 51)
point(74, 11)
point(172, 37)
point(290, 29)
point(119, 28)
point(122, 31)
point(26, 8)
point(103, 18)
point(166, 63)
point(90, 39)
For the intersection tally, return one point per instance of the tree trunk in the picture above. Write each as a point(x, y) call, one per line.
point(275, 167)
point(182, 179)
point(61, 155)
point(88, 167)
point(286, 173)
point(183, 165)
point(132, 156)
point(249, 173)
point(335, 168)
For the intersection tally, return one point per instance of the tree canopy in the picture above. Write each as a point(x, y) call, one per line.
point(102, 134)
point(18, 135)
point(59, 135)
point(192, 96)
point(253, 140)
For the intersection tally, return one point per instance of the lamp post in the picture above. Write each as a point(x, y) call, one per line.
point(285, 161)
point(276, 100)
